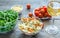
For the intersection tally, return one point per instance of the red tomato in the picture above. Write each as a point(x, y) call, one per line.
point(36, 13)
point(49, 15)
point(42, 11)
point(37, 9)
point(30, 14)
point(40, 15)
point(46, 14)
point(45, 8)
point(28, 6)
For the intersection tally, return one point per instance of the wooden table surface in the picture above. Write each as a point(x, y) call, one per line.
point(7, 4)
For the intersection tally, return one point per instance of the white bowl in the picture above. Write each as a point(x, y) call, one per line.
point(17, 8)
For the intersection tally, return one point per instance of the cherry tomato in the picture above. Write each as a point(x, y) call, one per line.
point(45, 8)
point(28, 6)
point(37, 9)
point(40, 15)
point(49, 15)
point(40, 8)
point(42, 11)
point(36, 13)
point(30, 14)
point(46, 14)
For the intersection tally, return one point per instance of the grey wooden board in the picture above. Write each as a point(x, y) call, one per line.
point(7, 4)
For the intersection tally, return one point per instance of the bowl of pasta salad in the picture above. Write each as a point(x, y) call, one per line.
point(30, 26)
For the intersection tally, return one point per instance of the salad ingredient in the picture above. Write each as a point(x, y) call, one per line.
point(45, 8)
point(28, 6)
point(30, 25)
point(7, 20)
point(36, 13)
point(40, 15)
point(42, 12)
point(30, 14)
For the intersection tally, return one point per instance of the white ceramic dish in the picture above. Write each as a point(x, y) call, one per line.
point(17, 8)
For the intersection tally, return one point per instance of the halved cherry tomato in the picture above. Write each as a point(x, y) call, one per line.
point(28, 6)
point(40, 8)
point(46, 14)
point(49, 15)
point(30, 14)
point(37, 9)
point(40, 15)
point(42, 11)
point(36, 13)
point(45, 8)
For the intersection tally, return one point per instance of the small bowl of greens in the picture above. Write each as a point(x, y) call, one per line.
point(8, 19)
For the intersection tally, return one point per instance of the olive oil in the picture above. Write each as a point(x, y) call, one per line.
point(54, 8)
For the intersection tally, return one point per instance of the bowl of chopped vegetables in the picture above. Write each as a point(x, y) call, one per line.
point(8, 19)
point(30, 26)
